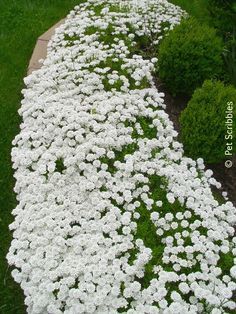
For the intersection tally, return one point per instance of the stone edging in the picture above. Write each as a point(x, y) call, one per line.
point(40, 50)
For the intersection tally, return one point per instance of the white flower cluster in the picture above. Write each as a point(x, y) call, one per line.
point(111, 217)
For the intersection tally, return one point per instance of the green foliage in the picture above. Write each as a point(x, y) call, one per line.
point(196, 8)
point(230, 59)
point(190, 54)
point(60, 167)
point(217, 13)
point(203, 122)
point(220, 14)
point(223, 15)
point(21, 22)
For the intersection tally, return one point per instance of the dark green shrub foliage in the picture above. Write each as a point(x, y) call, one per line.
point(203, 122)
point(223, 15)
point(190, 54)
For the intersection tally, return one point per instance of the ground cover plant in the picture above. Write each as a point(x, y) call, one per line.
point(111, 217)
point(21, 22)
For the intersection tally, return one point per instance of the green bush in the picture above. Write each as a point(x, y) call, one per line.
point(203, 122)
point(190, 54)
point(223, 15)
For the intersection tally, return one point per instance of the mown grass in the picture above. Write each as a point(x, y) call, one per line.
point(21, 22)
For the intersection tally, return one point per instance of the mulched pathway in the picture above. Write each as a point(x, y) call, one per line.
point(227, 177)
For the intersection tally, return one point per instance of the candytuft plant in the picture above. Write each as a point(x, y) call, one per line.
point(111, 216)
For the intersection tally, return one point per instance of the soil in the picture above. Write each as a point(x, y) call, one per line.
point(226, 176)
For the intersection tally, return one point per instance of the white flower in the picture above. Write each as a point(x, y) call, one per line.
point(155, 216)
point(175, 296)
point(184, 287)
point(233, 271)
point(216, 311)
point(88, 180)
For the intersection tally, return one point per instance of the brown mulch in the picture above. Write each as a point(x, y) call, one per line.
point(226, 176)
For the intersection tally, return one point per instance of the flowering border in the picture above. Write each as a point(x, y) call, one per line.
point(112, 218)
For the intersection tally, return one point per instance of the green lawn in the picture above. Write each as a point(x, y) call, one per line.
point(21, 22)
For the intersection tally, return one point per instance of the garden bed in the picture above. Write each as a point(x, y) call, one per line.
point(111, 216)
point(226, 176)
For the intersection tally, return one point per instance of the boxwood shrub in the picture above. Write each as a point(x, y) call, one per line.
point(191, 53)
point(206, 121)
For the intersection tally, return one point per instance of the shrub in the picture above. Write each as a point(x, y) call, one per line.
point(223, 18)
point(230, 61)
point(203, 122)
point(223, 15)
point(190, 54)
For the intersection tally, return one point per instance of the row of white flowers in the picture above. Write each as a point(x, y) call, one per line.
point(79, 204)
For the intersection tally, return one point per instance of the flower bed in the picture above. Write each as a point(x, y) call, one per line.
point(112, 218)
